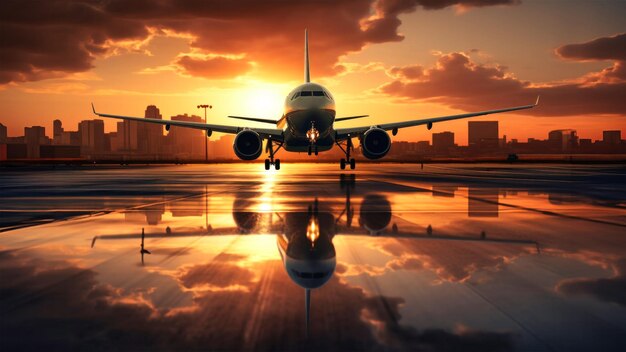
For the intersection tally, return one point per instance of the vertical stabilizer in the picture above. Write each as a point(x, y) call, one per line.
point(307, 74)
point(307, 303)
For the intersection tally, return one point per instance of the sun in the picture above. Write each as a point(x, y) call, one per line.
point(264, 100)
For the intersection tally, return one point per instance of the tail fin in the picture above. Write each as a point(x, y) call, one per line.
point(307, 73)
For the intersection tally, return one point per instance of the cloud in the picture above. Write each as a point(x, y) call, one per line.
point(45, 39)
point(460, 83)
point(611, 289)
point(213, 67)
point(606, 48)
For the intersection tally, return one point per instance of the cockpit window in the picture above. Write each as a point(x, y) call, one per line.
point(308, 93)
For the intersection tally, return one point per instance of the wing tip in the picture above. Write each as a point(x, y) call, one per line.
point(537, 101)
point(93, 109)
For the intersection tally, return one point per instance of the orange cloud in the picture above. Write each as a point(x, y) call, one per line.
point(460, 83)
point(53, 38)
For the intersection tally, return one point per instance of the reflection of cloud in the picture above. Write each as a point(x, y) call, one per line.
point(605, 289)
point(217, 274)
point(449, 260)
point(60, 307)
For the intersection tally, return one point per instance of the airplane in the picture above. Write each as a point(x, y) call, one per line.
point(308, 125)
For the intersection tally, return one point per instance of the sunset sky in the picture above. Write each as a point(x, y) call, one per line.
point(392, 59)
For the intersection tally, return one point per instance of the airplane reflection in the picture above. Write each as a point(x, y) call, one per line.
point(305, 238)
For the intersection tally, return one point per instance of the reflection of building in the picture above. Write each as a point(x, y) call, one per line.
point(563, 139)
point(612, 137)
point(483, 134)
point(444, 191)
point(443, 141)
point(482, 202)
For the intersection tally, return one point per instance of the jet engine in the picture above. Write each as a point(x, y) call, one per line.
point(248, 145)
point(375, 143)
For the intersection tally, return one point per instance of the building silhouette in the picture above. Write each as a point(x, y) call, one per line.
point(3, 133)
point(443, 141)
point(186, 142)
point(483, 134)
point(150, 136)
point(612, 137)
point(34, 137)
point(563, 140)
point(91, 134)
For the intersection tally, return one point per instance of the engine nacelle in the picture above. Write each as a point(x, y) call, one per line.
point(375, 143)
point(248, 145)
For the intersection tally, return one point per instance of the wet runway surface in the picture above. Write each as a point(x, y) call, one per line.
point(389, 257)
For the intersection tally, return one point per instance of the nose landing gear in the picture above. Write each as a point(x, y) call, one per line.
point(272, 148)
point(347, 150)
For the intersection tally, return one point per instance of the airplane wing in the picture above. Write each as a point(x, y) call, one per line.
point(343, 133)
point(274, 133)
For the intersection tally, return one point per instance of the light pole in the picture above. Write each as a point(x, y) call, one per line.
point(206, 139)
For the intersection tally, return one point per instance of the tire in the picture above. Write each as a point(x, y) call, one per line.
point(352, 164)
point(267, 164)
point(342, 164)
point(277, 164)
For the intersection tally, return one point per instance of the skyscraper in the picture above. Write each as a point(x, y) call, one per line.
point(3, 133)
point(91, 134)
point(34, 137)
point(443, 141)
point(612, 137)
point(150, 135)
point(57, 131)
point(483, 134)
point(563, 140)
point(186, 142)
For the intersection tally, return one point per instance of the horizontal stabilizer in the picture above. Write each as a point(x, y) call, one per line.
point(274, 122)
point(350, 118)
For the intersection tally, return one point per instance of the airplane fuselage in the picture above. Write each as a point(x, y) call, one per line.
point(308, 119)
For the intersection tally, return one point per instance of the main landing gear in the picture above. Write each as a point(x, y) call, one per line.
point(272, 147)
point(312, 149)
point(347, 150)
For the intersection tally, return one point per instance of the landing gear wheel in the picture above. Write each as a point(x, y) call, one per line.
point(315, 150)
point(342, 164)
point(277, 164)
point(267, 164)
point(352, 164)
point(309, 150)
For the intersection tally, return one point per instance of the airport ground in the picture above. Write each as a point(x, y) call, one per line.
point(445, 256)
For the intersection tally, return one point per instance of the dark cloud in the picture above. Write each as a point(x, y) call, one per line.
point(611, 289)
point(43, 39)
point(460, 83)
point(57, 306)
point(606, 48)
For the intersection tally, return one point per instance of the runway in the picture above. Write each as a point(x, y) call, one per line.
point(491, 257)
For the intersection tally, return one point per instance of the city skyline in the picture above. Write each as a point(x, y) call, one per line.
point(143, 141)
